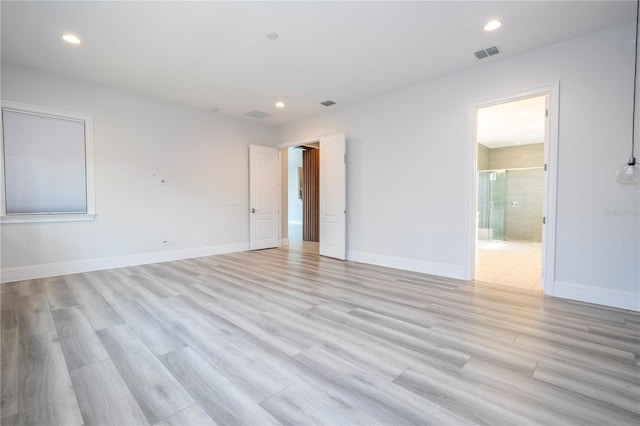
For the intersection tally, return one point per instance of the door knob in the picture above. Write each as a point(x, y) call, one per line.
point(253, 210)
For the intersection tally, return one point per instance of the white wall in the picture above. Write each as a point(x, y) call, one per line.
point(138, 141)
point(408, 152)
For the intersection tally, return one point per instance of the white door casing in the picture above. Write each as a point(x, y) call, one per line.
point(333, 196)
point(550, 160)
point(263, 197)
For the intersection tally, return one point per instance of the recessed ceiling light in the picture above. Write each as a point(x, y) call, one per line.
point(518, 142)
point(280, 104)
point(492, 25)
point(70, 38)
point(272, 35)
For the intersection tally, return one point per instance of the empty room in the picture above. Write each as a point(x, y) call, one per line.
point(328, 213)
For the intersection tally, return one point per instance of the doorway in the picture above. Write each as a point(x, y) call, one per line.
point(303, 205)
point(331, 192)
point(513, 197)
point(509, 242)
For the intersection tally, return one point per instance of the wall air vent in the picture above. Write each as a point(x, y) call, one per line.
point(485, 53)
point(327, 103)
point(257, 114)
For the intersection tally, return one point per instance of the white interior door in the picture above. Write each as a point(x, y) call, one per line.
point(263, 197)
point(333, 196)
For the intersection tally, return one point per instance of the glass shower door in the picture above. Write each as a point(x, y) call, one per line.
point(491, 204)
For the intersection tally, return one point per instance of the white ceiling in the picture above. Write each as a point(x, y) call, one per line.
point(520, 122)
point(216, 55)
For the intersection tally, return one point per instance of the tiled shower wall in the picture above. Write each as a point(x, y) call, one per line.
point(512, 157)
point(523, 215)
point(524, 188)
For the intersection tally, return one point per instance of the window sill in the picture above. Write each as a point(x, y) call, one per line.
point(62, 217)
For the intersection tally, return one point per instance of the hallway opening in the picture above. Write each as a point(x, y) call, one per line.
point(302, 198)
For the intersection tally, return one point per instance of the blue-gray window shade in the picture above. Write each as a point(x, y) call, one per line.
point(44, 164)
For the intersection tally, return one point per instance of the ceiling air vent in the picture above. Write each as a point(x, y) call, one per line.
point(257, 114)
point(327, 103)
point(485, 53)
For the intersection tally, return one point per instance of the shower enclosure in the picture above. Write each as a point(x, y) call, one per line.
point(491, 204)
point(510, 204)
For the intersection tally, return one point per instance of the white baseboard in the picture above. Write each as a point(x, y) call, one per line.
point(597, 295)
point(562, 289)
point(64, 268)
point(433, 268)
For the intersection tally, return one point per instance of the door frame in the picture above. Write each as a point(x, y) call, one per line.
point(319, 139)
point(551, 176)
point(280, 147)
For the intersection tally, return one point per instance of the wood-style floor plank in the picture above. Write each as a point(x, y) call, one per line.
point(31, 287)
point(35, 315)
point(310, 406)
point(10, 357)
point(193, 415)
point(589, 383)
point(258, 383)
point(225, 403)
point(151, 331)
point(157, 391)
point(465, 400)
point(286, 337)
point(100, 313)
point(47, 396)
point(9, 304)
point(396, 400)
point(59, 294)
point(104, 397)
point(80, 343)
point(567, 407)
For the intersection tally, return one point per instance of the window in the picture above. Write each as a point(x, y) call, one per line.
point(47, 162)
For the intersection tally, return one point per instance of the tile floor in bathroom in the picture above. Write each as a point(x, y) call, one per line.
point(510, 263)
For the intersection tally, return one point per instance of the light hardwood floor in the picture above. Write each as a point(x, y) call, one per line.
point(287, 337)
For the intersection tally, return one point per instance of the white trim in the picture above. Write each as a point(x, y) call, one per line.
point(65, 268)
point(279, 201)
point(280, 147)
point(415, 265)
point(296, 143)
point(550, 158)
point(598, 295)
point(87, 120)
point(472, 193)
point(59, 217)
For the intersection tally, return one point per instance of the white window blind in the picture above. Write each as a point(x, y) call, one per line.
point(45, 164)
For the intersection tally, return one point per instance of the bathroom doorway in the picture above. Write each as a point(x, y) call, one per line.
point(512, 145)
point(509, 242)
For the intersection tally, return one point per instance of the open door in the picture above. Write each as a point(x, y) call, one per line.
point(333, 196)
point(263, 197)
